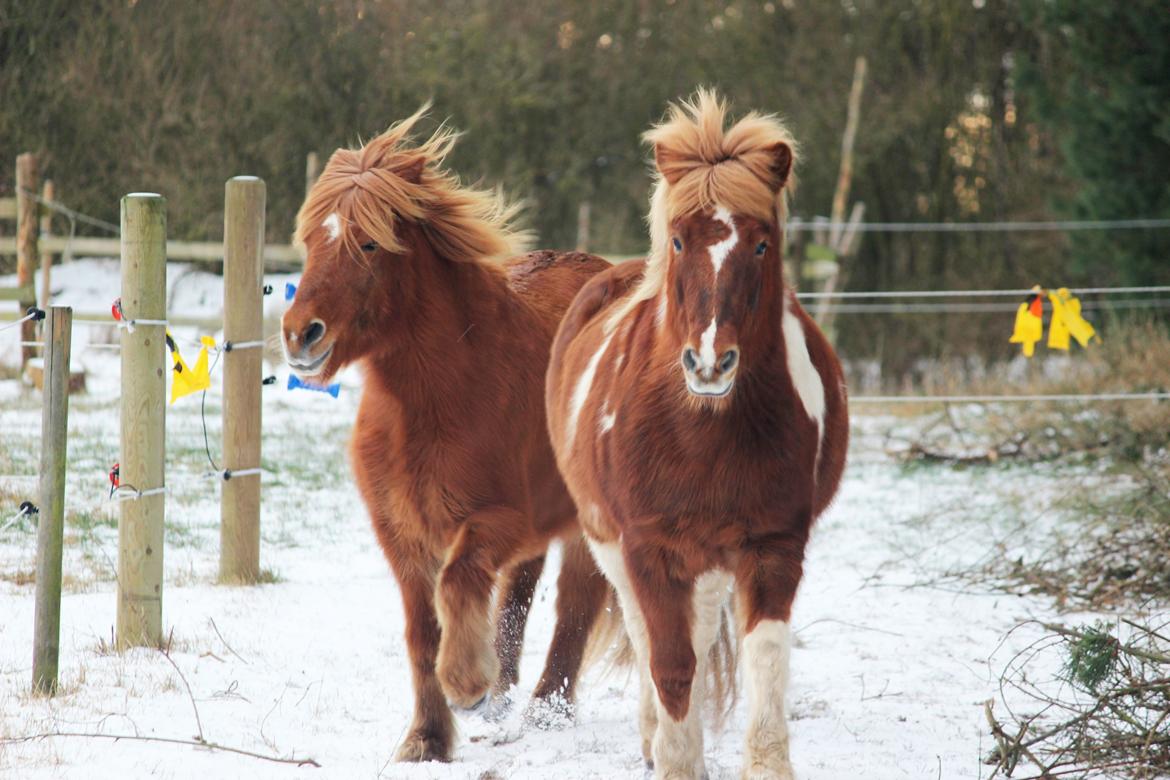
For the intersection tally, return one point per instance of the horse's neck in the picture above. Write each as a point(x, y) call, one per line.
point(450, 330)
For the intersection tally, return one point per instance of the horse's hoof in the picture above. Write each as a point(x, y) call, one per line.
point(422, 746)
point(549, 713)
point(468, 684)
point(497, 707)
point(758, 772)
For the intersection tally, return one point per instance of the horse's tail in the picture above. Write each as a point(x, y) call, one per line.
point(723, 665)
point(609, 645)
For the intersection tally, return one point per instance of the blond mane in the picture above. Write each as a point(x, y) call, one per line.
point(701, 165)
point(389, 179)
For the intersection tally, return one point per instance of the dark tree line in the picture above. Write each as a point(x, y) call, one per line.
point(984, 110)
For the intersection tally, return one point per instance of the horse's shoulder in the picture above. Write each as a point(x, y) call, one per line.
point(595, 296)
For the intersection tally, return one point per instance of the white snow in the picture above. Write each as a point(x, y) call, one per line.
point(888, 673)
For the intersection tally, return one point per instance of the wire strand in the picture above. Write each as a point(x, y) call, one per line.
point(800, 225)
point(985, 399)
point(811, 296)
point(72, 213)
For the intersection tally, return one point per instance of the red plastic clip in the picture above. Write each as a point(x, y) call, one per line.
point(116, 310)
point(115, 478)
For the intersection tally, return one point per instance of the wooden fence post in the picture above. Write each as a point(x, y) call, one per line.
point(51, 528)
point(27, 186)
point(243, 315)
point(143, 447)
point(583, 217)
point(312, 171)
point(46, 256)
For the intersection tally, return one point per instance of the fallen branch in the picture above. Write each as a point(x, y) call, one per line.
point(165, 740)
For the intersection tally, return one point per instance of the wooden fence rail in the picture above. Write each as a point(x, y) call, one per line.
point(278, 258)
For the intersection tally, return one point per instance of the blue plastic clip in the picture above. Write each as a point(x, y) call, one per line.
point(290, 290)
point(296, 383)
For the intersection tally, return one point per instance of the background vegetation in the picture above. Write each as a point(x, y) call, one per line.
point(974, 110)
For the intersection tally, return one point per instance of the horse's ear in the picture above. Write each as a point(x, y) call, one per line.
point(412, 170)
point(780, 163)
point(669, 163)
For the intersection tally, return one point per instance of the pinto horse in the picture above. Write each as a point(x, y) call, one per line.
point(700, 420)
point(405, 276)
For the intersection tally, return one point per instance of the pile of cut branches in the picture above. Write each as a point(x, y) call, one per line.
point(1111, 554)
point(1105, 714)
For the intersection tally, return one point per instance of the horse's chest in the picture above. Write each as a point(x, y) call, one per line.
point(714, 471)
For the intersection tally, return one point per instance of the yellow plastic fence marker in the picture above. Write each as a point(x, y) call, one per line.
point(1029, 323)
point(1067, 320)
point(188, 380)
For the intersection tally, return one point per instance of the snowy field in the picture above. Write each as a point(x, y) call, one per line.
point(890, 670)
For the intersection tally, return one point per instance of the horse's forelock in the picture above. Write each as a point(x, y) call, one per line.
point(390, 178)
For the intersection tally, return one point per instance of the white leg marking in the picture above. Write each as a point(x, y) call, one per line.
point(765, 652)
point(613, 566)
point(805, 377)
point(720, 249)
point(581, 391)
point(332, 223)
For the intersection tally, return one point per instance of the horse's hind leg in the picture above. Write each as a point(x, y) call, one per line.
point(581, 590)
point(515, 600)
point(467, 665)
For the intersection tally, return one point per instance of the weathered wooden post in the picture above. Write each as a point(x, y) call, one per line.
point(51, 528)
point(583, 214)
point(46, 256)
point(143, 448)
point(243, 314)
point(27, 186)
point(312, 171)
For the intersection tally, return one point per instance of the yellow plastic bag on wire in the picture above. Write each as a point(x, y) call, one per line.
point(1029, 323)
point(1067, 321)
point(188, 380)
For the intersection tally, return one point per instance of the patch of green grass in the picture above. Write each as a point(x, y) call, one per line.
point(86, 520)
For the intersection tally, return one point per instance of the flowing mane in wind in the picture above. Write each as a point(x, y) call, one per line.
point(701, 164)
point(700, 420)
point(416, 278)
point(389, 178)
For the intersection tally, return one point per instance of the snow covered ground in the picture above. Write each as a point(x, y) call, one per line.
point(889, 672)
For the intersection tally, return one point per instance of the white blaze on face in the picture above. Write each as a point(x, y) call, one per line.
point(720, 249)
point(332, 224)
point(581, 391)
point(805, 377)
point(707, 346)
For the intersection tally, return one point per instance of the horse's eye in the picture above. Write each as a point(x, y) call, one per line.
point(370, 247)
point(677, 244)
point(761, 248)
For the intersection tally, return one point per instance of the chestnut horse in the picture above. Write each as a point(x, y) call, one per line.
point(699, 418)
point(450, 448)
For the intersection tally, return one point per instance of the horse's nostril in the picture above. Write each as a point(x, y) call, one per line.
point(313, 333)
point(728, 361)
point(690, 360)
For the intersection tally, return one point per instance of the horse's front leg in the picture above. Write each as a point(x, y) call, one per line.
point(432, 731)
point(766, 580)
point(680, 622)
point(467, 664)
